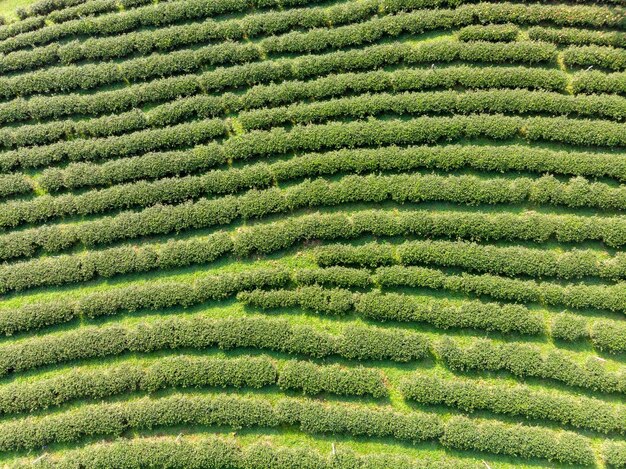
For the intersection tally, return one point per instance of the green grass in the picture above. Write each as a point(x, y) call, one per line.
point(8, 8)
point(301, 256)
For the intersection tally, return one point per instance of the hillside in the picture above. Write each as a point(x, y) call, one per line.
point(305, 234)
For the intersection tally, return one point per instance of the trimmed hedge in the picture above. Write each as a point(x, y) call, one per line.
point(103, 382)
point(475, 257)
point(273, 94)
point(115, 261)
point(202, 452)
point(202, 213)
point(470, 395)
point(189, 372)
point(89, 76)
point(576, 36)
point(18, 27)
point(581, 296)
point(501, 158)
point(314, 298)
point(186, 134)
point(172, 37)
point(595, 56)
point(529, 361)
point(117, 22)
point(232, 411)
point(272, 237)
point(462, 433)
point(468, 314)
point(149, 296)
point(490, 32)
point(354, 342)
point(614, 453)
point(395, 307)
point(308, 416)
point(313, 379)
point(598, 82)
point(513, 260)
point(446, 102)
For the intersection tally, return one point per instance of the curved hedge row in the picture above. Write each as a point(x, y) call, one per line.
point(202, 106)
point(89, 76)
point(581, 296)
point(530, 361)
point(118, 22)
point(159, 15)
point(149, 296)
point(166, 372)
point(261, 143)
point(19, 27)
point(13, 184)
point(185, 134)
point(368, 28)
point(446, 102)
point(490, 32)
point(474, 257)
point(273, 94)
point(58, 11)
point(172, 37)
point(47, 133)
point(360, 160)
point(271, 237)
point(471, 395)
point(395, 307)
point(232, 411)
point(201, 452)
point(67, 10)
point(468, 314)
point(204, 213)
point(598, 82)
point(198, 332)
point(579, 37)
point(599, 56)
point(527, 442)
point(308, 416)
point(189, 372)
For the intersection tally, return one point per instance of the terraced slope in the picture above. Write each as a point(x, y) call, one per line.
point(305, 234)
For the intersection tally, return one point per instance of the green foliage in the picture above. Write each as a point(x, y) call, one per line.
point(469, 314)
point(517, 440)
point(272, 237)
point(314, 379)
point(525, 360)
point(205, 212)
point(581, 296)
point(177, 371)
point(598, 82)
point(273, 94)
point(615, 454)
point(355, 342)
point(149, 296)
point(491, 32)
point(470, 395)
point(599, 56)
point(471, 102)
point(475, 257)
point(579, 37)
point(189, 372)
